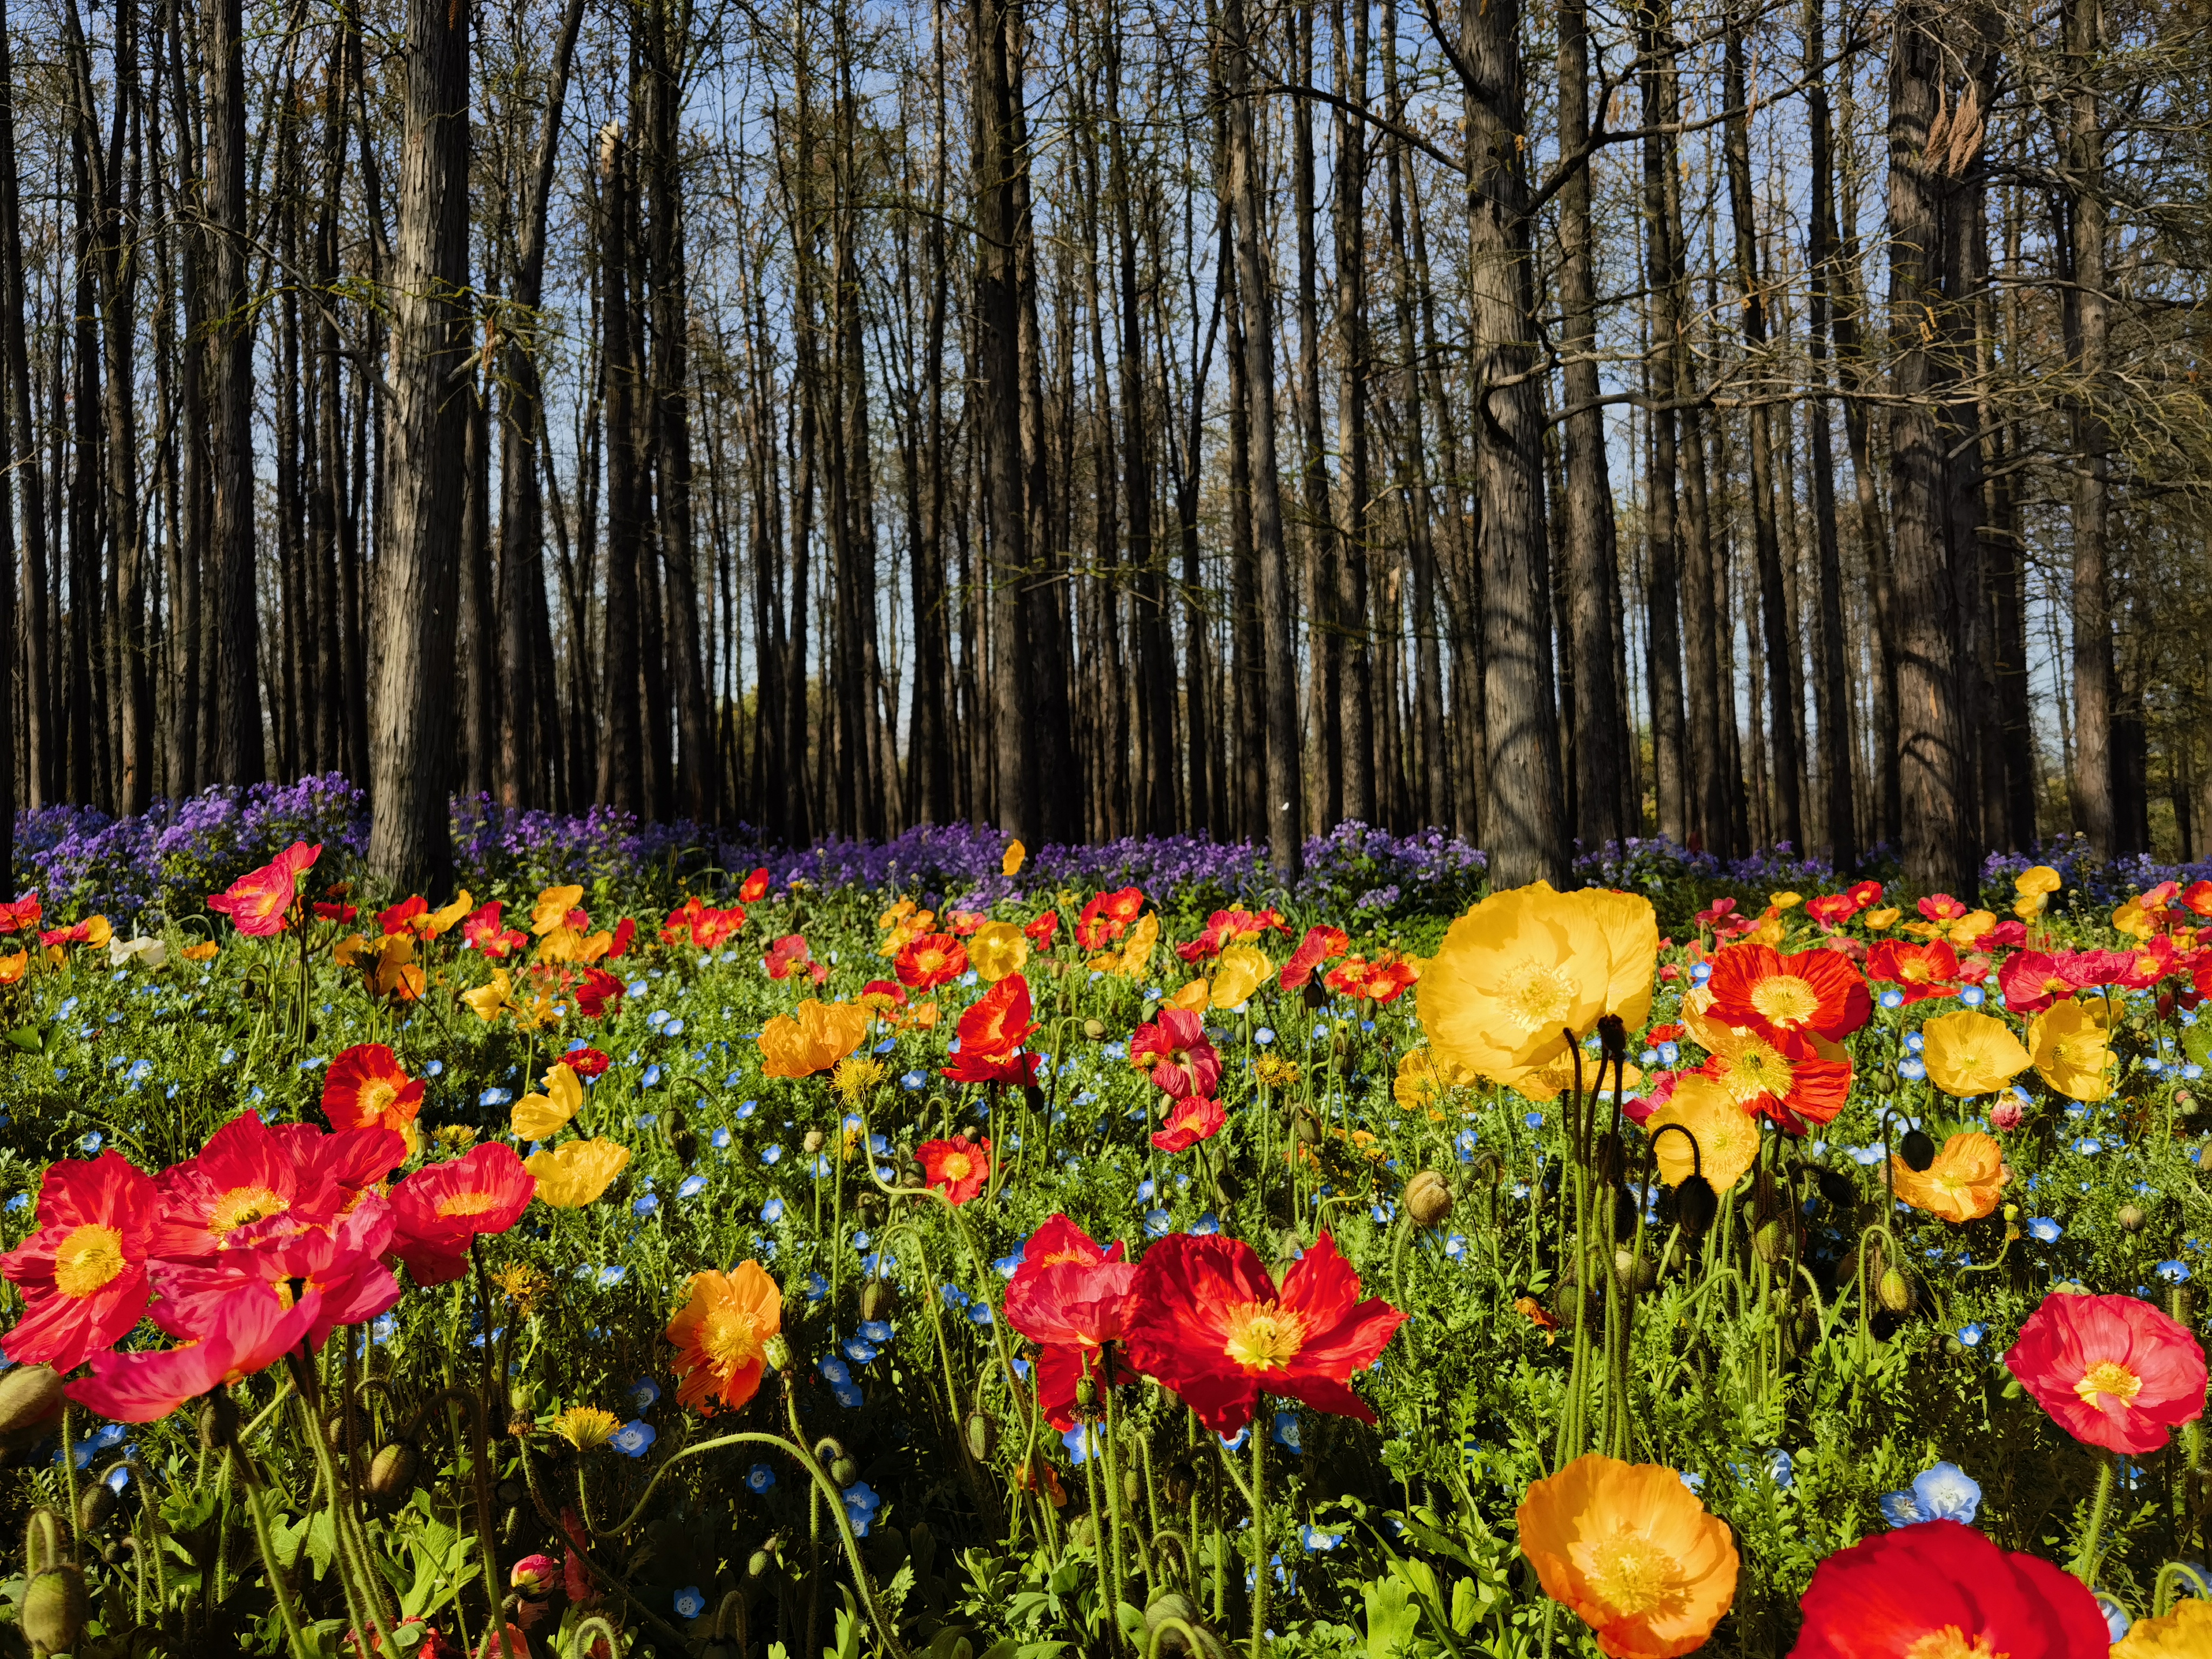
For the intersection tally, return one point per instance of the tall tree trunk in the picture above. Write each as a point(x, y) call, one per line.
point(23, 466)
point(622, 773)
point(1356, 698)
point(411, 756)
point(1833, 698)
point(237, 749)
point(1673, 784)
point(2085, 309)
point(1527, 833)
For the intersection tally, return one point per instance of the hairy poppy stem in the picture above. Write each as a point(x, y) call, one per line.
point(1259, 1537)
point(2085, 1564)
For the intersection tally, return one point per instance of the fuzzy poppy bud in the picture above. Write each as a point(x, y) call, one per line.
point(1087, 1394)
point(812, 1142)
point(31, 1400)
point(1612, 1036)
point(1837, 1188)
point(686, 1145)
point(523, 1399)
point(1315, 994)
point(1893, 1291)
point(1696, 1205)
point(1306, 1129)
point(777, 1352)
point(218, 1418)
point(54, 1609)
point(1094, 1029)
point(845, 1471)
point(1428, 1199)
point(1033, 1097)
point(758, 1563)
point(1917, 1149)
point(391, 1473)
point(1636, 1274)
point(2131, 1217)
point(982, 1436)
point(1179, 1484)
point(95, 1505)
point(878, 1299)
point(1625, 1212)
point(1771, 1239)
point(1608, 1158)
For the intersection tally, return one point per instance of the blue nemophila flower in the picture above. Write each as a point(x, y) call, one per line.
point(434, 1068)
point(861, 1503)
point(2174, 1273)
point(857, 1352)
point(953, 1295)
point(914, 1082)
point(1913, 1070)
point(818, 1288)
point(1946, 1493)
point(637, 988)
point(876, 1331)
point(384, 1328)
point(2088, 1146)
point(1264, 1036)
point(848, 1395)
point(1286, 1433)
point(642, 1393)
point(2043, 1229)
point(1973, 1332)
point(1690, 1478)
point(1007, 1266)
point(689, 1604)
point(646, 1205)
point(1892, 997)
point(760, 1477)
point(1318, 1541)
point(1916, 1043)
point(1534, 1120)
point(614, 1275)
point(634, 1438)
point(772, 1212)
point(1157, 1223)
point(92, 1142)
point(1781, 1469)
point(652, 1076)
point(1206, 1226)
point(746, 1108)
point(834, 1371)
point(771, 1155)
point(691, 1186)
point(979, 1313)
point(674, 1028)
point(2118, 1619)
point(1083, 1443)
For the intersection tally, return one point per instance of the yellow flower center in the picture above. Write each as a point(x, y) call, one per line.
point(1537, 995)
point(957, 1166)
point(1263, 1337)
point(729, 1339)
point(89, 1258)
point(2082, 1051)
point(242, 1205)
point(1633, 1575)
point(2108, 1376)
point(376, 1097)
point(1952, 1643)
point(474, 1203)
point(1785, 1000)
point(1757, 1069)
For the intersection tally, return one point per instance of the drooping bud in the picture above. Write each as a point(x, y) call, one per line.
point(845, 1471)
point(218, 1418)
point(982, 1436)
point(1612, 1036)
point(1428, 1199)
point(1696, 1205)
point(1033, 1097)
point(878, 1299)
point(1837, 1188)
point(1917, 1150)
point(391, 1473)
point(96, 1505)
point(1094, 1029)
point(523, 1399)
point(31, 1400)
point(1315, 994)
point(1179, 1484)
point(54, 1610)
point(777, 1352)
point(1608, 1160)
point(1894, 1291)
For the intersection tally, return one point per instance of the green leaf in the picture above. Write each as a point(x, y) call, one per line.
point(1392, 1618)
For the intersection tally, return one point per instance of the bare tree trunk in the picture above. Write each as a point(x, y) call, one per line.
point(410, 757)
point(1832, 702)
point(2086, 313)
point(1356, 698)
point(23, 462)
point(238, 753)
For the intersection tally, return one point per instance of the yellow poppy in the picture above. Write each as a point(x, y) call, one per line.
point(2039, 878)
point(1135, 955)
point(1527, 971)
point(1423, 1079)
point(2184, 1633)
point(1971, 926)
point(1786, 901)
point(2072, 1049)
point(540, 1117)
point(1728, 1140)
point(486, 1000)
point(1242, 970)
point(395, 974)
point(812, 1038)
point(552, 908)
point(1629, 1550)
point(1011, 864)
point(1968, 1054)
point(575, 1173)
point(997, 950)
point(441, 921)
point(1962, 1184)
point(2131, 918)
point(1194, 998)
point(2028, 905)
point(1882, 919)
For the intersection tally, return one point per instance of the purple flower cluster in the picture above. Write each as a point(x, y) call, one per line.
point(1649, 863)
point(2102, 882)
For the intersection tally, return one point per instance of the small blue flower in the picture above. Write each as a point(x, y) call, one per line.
point(1083, 1443)
point(1157, 1223)
point(642, 1393)
point(857, 1352)
point(689, 1604)
point(1690, 1478)
point(1237, 1441)
point(2089, 1146)
point(2174, 1273)
point(835, 1371)
point(1973, 1332)
point(876, 1331)
point(1781, 1467)
point(760, 1477)
point(691, 1186)
point(1973, 996)
point(1317, 1541)
point(914, 1082)
point(1892, 997)
point(848, 1395)
point(1913, 1070)
point(610, 1276)
point(1534, 1120)
point(772, 1212)
point(771, 1155)
point(1206, 1226)
point(1286, 1433)
point(634, 1438)
point(646, 1205)
point(979, 1313)
point(2117, 1618)
point(2043, 1229)
point(818, 1288)
point(719, 1139)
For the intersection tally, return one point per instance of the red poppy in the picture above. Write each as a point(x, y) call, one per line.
point(1210, 1322)
point(957, 1168)
point(24, 915)
point(755, 888)
point(1190, 1120)
point(2146, 966)
point(246, 1334)
point(706, 927)
point(351, 1161)
point(1383, 980)
point(367, 1087)
point(341, 1264)
point(402, 918)
point(1942, 907)
point(2197, 897)
point(599, 995)
point(1789, 1000)
point(930, 961)
point(335, 910)
point(1107, 916)
point(2005, 935)
point(1071, 1299)
point(1319, 945)
point(484, 932)
point(1942, 1590)
point(1043, 930)
point(1789, 1091)
point(256, 902)
point(244, 1174)
point(2032, 981)
point(999, 1018)
point(1716, 913)
point(1864, 895)
point(1182, 1062)
point(83, 1272)
point(625, 933)
point(2112, 1370)
point(586, 1062)
point(436, 1210)
point(93, 930)
point(1227, 927)
point(677, 927)
point(785, 954)
point(1921, 971)
point(994, 1066)
point(1831, 910)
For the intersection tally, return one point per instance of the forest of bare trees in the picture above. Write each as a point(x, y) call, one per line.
point(1746, 421)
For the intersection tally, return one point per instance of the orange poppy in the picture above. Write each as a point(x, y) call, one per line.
point(1963, 1184)
point(722, 1334)
point(367, 1088)
point(812, 1038)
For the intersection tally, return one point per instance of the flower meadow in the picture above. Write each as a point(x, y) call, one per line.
point(930, 1250)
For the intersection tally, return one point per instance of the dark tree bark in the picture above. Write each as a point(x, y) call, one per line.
point(411, 844)
point(1356, 699)
point(23, 464)
point(1832, 702)
point(237, 752)
point(621, 770)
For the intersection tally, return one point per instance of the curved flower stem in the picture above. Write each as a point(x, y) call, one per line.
point(2085, 1563)
point(357, 1569)
point(274, 1569)
point(886, 1631)
point(598, 1569)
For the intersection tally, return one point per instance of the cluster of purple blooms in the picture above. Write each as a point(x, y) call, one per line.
point(2102, 882)
point(164, 862)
